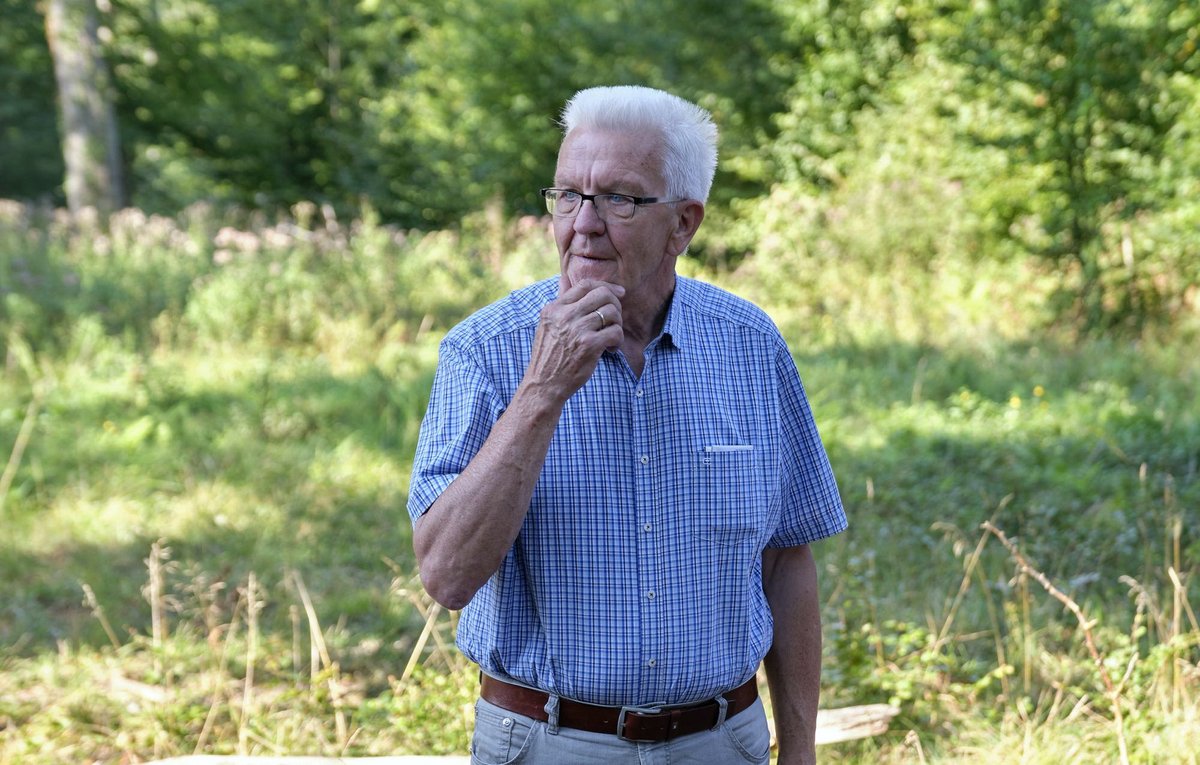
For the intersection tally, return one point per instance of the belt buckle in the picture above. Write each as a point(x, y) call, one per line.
point(646, 710)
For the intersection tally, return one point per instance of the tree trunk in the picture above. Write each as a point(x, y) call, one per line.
point(91, 150)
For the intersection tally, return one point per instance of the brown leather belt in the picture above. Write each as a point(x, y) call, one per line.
point(642, 724)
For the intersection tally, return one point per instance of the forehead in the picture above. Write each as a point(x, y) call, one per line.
point(603, 160)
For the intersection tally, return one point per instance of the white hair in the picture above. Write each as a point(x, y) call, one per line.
point(688, 134)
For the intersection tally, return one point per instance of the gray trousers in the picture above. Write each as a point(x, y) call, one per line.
point(505, 738)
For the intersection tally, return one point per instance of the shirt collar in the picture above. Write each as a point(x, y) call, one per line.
point(678, 329)
point(679, 326)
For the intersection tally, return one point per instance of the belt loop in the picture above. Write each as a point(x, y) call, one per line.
point(724, 709)
point(551, 710)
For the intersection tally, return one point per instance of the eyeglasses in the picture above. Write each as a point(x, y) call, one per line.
point(564, 203)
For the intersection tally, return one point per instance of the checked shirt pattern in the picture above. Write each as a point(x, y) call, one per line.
point(637, 576)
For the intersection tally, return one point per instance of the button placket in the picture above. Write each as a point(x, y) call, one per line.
point(649, 573)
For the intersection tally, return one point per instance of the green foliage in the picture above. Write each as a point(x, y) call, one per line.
point(35, 287)
point(1085, 109)
point(124, 272)
point(852, 53)
point(246, 103)
point(31, 164)
point(428, 110)
point(902, 664)
point(490, 78)
point(913, 131)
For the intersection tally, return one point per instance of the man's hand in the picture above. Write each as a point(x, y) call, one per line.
point(575, 330)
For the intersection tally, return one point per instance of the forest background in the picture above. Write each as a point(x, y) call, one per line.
point(236, 230)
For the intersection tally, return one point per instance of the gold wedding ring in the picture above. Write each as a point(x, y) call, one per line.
point(603, 321)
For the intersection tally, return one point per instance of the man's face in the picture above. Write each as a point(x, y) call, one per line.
point(639, 253)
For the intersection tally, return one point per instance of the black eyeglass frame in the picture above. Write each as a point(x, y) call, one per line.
point(636, 201)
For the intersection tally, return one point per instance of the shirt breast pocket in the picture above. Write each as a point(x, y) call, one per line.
point(728, 499)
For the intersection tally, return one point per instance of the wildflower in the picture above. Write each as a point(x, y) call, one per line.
point(1039, 391)
point(1015, 402)
point(276, 239)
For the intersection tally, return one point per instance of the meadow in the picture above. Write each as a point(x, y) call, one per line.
point(207, 422)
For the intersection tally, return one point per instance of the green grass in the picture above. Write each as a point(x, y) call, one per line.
point(242, 461)
point(253, 416)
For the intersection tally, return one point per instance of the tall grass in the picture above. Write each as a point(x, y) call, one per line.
point(206, 424)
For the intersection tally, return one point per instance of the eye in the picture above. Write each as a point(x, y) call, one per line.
point(565, 201)
point(618, 201)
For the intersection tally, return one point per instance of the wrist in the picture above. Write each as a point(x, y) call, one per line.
point(539, 401)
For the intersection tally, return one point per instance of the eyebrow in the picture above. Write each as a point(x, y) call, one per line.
point(619, 183)
point(625, 188)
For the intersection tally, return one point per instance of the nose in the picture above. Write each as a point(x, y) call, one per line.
point(588, 219)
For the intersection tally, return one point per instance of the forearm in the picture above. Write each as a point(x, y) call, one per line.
point(793, 664)
point(463, 537)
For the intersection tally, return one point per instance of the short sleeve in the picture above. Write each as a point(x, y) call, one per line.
point(811, 506)
point(463, 406)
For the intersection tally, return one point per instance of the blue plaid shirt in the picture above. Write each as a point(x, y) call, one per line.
point(637, 575)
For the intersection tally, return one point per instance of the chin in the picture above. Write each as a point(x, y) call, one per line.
point(579, 269)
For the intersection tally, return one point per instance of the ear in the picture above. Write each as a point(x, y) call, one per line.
point(690, 215)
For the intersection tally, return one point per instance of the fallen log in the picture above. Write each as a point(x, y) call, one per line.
point(850, 723)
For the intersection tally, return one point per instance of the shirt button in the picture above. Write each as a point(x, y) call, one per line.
point(640, 393)
point(652, 663)
point(650, 595)
point(646, 527)
point(644, 459)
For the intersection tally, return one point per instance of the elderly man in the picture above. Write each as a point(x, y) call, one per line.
point(618, 478)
